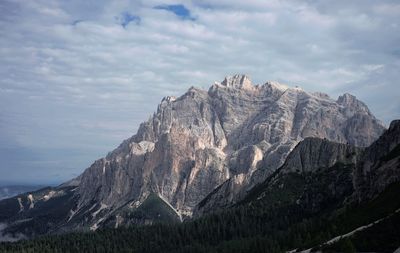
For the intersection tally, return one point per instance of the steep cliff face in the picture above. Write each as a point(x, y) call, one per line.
point(320, 173)
point(379, 165)
point(312, 158)
point(316, 174)
point(176, 154)
point(274, 122)
point(197, 142)
point(314, 153)
point(221, 141)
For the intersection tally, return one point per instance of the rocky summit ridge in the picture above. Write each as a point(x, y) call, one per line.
point(211, 147)
point(235, 131)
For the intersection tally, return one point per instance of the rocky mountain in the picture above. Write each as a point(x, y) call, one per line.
point(207, 147)
point(310, 204)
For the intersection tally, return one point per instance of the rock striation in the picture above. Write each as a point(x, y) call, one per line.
point(320, 173)
point(234, 135)
point(210, 147)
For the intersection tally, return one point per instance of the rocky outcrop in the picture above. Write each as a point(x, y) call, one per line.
point(314, 153)
point(312, 156)
point(316, 174)
point(320, 173)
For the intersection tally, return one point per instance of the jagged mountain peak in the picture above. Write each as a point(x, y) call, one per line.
point(350, 101)
point(347, 98)
point(223, 140)
point(238, 81)
point(231, 121)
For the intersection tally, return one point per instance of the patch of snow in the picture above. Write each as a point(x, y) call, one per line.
point(95, 226)
point(49, 195)
point(173, 208)
point(21, 207)
point(134, 204)
point(102, 206)
point(339, 237)
point(105, 164)
point(22, 221)
point(71, 214)
point(32, 204)
point(118, 220)
point(91, 208)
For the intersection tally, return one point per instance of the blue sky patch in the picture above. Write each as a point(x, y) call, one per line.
point(178, 9)
point(125, 18)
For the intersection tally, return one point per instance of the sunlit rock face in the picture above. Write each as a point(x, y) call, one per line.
point(205, 150)
point(231, 137)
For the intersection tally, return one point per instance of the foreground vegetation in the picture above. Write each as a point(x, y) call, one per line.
point(255, 226)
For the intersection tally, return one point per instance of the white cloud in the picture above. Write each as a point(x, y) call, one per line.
point(106, 79)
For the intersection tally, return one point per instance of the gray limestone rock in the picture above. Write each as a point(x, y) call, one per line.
point(215, 144)
point(229, 137)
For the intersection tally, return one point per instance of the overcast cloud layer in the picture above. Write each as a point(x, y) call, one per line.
point(77, 77)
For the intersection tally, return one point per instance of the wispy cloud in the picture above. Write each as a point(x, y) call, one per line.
point(78, 80)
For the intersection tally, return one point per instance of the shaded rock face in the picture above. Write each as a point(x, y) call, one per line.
point(310, 157)
point(314, 153)
point(379, 165)
point(235, 131)
point(317, 174)
point(320, 173)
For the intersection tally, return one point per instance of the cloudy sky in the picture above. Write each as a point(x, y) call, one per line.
point(77, 77)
